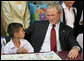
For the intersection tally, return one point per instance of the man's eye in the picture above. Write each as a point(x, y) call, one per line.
point(52, 15)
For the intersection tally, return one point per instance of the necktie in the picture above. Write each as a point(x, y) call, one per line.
point(53, 39)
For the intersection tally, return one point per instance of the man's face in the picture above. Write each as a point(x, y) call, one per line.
point(69, 3)
point(53, 15)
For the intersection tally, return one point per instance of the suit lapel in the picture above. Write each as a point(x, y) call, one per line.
point(62, 35)
point(44, 29)
point(61, 29)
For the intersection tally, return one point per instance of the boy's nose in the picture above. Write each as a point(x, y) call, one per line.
point(24, 32)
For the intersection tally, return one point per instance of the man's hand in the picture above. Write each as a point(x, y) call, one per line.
point(73, 53)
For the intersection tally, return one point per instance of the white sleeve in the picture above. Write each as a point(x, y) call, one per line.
point(80, 39)
point(7, 49)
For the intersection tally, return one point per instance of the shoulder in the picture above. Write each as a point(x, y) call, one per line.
point(41, 22)
point(64, 26)
point(8, 44)
point(24, 41)
point(44, 21)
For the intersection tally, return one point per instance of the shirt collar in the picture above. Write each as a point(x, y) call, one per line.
point(13, 46)
point(64, 6)
point(56, 25)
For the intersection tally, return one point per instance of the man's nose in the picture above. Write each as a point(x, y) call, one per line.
point(50, 17)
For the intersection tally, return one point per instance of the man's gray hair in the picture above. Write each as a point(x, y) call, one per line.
point(54, 4)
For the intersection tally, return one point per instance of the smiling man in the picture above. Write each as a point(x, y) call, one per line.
point(52, 34)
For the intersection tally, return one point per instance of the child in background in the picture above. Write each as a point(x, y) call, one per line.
point(3, 43)
point(17, 44)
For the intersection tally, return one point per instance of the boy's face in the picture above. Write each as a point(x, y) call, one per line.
point(21, 33)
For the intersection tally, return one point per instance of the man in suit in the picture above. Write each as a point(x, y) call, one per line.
point(39, 34)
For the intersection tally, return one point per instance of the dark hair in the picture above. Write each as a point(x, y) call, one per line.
point(13, 27)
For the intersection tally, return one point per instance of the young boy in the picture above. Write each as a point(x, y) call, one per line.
point(17, 44)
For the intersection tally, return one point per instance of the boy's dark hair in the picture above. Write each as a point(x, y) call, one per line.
point(13, 27)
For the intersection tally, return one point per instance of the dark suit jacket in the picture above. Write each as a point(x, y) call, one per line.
point(35, 34)
point(78, 28)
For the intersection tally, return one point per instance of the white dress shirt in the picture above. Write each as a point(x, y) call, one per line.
point(69, 15)
point(46, 45)
point(10, 47)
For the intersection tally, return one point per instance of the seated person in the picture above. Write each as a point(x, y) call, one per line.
point(17, 44)
point(52, 34)
point(3, 43)
point(39, 34)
